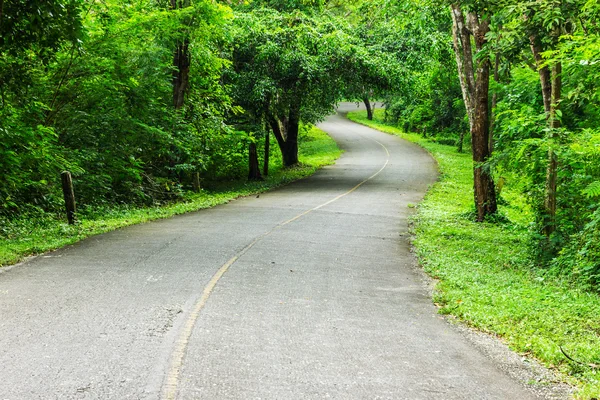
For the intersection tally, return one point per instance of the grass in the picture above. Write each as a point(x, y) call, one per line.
point(40, 233)
point(486, 275)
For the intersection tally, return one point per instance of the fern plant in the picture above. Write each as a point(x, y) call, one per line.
point(592, 190)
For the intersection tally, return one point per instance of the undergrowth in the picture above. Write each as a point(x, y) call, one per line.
point(36, 233)
point(488, 277)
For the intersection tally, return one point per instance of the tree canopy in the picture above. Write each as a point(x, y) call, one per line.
point(138, 99)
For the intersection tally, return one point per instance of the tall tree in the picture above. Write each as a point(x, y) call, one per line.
point(474, 73)
point(545, 24)
point(425, 92)
point(31, 34)
point(540, 133)
point(287, 68)
point(373, 67)
point(181, 61)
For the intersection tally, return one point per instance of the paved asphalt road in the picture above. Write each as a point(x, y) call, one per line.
point(307, 292)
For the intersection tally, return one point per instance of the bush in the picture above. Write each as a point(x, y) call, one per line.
point(581, 258)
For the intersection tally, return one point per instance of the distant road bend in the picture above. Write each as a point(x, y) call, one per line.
point(307, 292)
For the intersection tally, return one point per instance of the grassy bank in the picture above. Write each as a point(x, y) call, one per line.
point(42, 232)
point(487, 277)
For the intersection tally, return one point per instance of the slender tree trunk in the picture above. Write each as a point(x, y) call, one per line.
point(552, 171)
point(551, 84)
point(494, 104)
point(484, 189)
point(254, 169)
point(276, 127)
point(181, 62)
point(196, 182)
point(543, 71)
point(369, 108)
point(181, 74)
point(267, 153)
point(69, 196)
point(463, 51)
point(461, 38)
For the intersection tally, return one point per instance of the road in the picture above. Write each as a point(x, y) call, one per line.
point(306, 292)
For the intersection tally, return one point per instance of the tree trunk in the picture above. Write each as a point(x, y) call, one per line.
point(267, 153)
point(551, 84)
point(544, 72)
point(181, 62)
point(196, 182)
point(494, 104)
point(461, 38)
point(475, 91)
point(369, 108)
point(181, 73)
point(286, 133)
point(463, 51)
point(552, 171)
point(485, 193)
point(290, 151)
point(69, 196)
point(254, 169)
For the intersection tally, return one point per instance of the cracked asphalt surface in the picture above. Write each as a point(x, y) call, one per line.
point(328, 305)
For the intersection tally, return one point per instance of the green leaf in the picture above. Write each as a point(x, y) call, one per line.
point(592, 190)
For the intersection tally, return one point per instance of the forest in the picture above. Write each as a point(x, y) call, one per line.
point(148, 102)
point(143, 100)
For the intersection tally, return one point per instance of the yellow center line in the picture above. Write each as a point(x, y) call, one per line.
point(178, 354)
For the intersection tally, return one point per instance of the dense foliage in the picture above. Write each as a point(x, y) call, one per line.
point(145, 100)
point(533, 138)
point(542, 58)
point(427, 97)
point(142, 100)
point(100, 105)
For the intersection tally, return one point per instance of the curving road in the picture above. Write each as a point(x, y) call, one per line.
point(307, 292)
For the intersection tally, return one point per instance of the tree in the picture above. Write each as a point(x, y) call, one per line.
point(99, 100)
point(546, 22)
point(546, 136)
point(286, 69)
point(474, 75)
point(31, 34)
point(544, 25)
point(425, 93)
point(181, 61)
point(373, 67)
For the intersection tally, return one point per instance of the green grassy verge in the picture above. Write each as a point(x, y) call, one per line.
point(487, 277)
point(40, 233)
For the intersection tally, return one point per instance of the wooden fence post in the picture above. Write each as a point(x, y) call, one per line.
point(196, 182)
point(69, 194)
